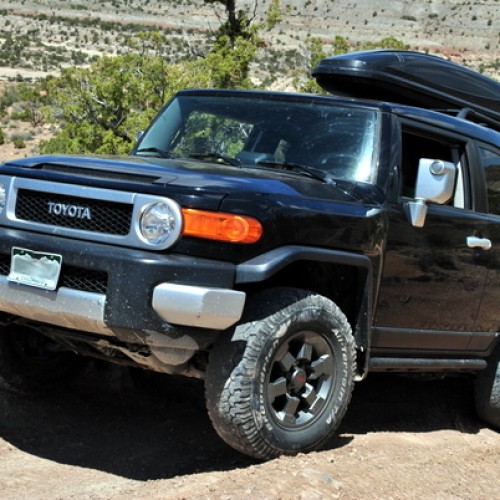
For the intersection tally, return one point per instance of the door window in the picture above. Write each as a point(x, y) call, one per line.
point(416, 146)
point(491, 163)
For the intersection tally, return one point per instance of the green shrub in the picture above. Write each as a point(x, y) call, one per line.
point(19, 143)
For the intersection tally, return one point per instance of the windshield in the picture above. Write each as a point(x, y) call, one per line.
point(258, 132)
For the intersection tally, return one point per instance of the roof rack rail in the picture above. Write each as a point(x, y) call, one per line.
point(413, 78)
point(473, 116)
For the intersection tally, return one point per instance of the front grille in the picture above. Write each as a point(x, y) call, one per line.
point(106, 216)
point(86, 280)
point(4, 264)
point(76, 278)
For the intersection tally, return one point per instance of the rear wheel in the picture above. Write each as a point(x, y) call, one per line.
point(31, 362)
point(282, 382)
point(487, 392)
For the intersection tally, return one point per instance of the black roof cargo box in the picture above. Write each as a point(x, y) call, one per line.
point(412, 78)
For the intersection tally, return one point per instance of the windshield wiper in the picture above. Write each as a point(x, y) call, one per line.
point(314, 173)
point(160, 152)
point(218, 157)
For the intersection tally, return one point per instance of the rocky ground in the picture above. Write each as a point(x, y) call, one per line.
point(39, 36)
point(8, 150)
point(103, 438)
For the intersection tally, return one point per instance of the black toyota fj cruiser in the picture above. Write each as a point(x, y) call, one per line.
point(279, 246)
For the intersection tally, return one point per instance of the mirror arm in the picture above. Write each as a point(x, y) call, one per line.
point(418, 212)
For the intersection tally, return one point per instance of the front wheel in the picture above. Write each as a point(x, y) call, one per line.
point(281, 383)
point(487, 392)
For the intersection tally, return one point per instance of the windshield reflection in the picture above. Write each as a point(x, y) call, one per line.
point(249, 131)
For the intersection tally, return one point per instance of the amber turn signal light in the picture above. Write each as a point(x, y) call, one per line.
point(221, 226)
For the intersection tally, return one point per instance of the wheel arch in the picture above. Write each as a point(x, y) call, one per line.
point(344, 277)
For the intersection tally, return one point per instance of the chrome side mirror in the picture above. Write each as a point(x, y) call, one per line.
point(139, 135)
point(435, 184)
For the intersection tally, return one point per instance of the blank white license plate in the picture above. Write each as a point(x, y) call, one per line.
point(38, 269)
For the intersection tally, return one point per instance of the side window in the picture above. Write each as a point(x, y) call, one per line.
point(416, 146)
point(491, 162)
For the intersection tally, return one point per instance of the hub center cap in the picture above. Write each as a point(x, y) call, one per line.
point(299, 379)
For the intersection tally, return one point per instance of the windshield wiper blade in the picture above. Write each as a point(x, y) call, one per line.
point(314, 173)
point(160, 152)
point(212, 155)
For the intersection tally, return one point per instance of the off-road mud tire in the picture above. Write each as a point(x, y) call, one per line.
point(288, 335)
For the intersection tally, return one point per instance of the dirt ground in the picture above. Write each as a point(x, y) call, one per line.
point(9, 152)
point(105, 438)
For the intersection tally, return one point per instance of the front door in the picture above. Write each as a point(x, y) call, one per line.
point(432, 280)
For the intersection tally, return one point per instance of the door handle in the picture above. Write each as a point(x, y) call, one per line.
point(476, 242)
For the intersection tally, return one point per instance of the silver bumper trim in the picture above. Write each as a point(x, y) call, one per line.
point(214, 308)
point(68, 308)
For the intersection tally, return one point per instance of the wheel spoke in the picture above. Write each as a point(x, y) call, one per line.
point(288, 413)
point(305, 353)
point(309, 395)
point(316, 406)
point(321, 367)
point(312, 399)
point(286, 362)
point(276, 389)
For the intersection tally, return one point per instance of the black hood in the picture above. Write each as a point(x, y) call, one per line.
point(193, 176)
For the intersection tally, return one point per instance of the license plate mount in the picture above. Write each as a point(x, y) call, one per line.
point(36, 269)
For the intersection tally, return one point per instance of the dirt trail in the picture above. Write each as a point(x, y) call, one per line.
point(104, 438)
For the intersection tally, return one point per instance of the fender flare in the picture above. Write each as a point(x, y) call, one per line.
point(264, 266)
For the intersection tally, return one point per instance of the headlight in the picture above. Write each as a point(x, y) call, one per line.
point(3, 196)
point(160, 223)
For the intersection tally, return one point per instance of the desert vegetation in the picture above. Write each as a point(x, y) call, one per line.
point(85, 77)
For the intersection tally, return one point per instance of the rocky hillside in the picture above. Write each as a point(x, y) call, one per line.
point(38, 37)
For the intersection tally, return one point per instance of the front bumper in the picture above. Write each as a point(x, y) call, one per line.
point(146, 291)
point(184, 305)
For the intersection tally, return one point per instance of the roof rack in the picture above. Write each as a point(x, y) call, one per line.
point(413, 78)
point(473, 116)
point(470, 114)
